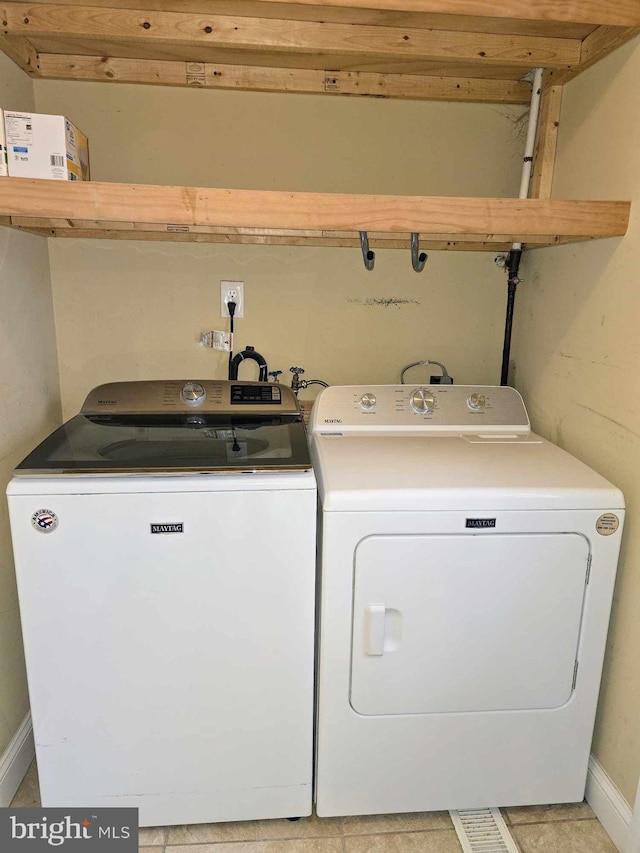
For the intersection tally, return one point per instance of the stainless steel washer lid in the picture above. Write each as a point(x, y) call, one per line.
point(177, 427)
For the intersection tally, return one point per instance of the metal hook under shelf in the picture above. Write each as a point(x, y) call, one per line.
point(368, 256)
point(418, 258)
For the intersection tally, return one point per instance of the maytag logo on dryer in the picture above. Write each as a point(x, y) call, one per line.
point(480, 523)
point(44, 520)
point(176, 527)
point(333, 420)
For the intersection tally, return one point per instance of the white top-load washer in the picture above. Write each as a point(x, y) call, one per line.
point(466, 573)
point(164, 542)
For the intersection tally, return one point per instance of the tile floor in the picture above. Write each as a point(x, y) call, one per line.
point(537, 829)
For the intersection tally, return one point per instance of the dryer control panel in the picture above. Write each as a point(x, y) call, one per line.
point(448, 408)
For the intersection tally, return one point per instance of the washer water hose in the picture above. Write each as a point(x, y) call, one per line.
point(298, 384)
point(248, 353)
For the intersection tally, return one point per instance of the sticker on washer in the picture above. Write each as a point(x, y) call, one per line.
point(44, 520)
point(607, 524)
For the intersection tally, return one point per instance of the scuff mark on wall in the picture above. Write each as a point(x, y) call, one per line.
point(611, 420)
point(602, 363)
point(384, 302)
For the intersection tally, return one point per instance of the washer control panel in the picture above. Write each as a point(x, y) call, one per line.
point(206, 396)
point(461, 408)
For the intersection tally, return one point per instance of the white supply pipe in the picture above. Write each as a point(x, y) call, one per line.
point(512, 260)
point(534, 112)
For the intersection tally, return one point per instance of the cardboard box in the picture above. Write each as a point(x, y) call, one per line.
point(45, 146)
point(3, 148)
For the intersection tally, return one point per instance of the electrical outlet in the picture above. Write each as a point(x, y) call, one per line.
point(232, 291)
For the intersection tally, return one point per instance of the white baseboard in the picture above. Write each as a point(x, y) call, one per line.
point(15, 761)
point(608, 804)
point(633, 844)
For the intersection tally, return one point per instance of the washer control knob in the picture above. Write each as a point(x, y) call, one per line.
point(193, 394)
point(476, 401)
point(367, 401)
point(422, 401)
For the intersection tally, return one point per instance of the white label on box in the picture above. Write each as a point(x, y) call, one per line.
point(19, 129)
point(58, 165)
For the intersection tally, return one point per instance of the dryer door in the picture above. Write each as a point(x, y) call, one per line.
point(466, 622)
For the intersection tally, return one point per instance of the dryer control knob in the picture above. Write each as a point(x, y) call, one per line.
point(476, 401)
point(422, 401)
point(193, 394)
point(367, 401)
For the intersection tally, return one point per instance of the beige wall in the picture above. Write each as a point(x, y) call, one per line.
point(577, 356)
point(30, 401)
point(135, 310)
point(200, 137)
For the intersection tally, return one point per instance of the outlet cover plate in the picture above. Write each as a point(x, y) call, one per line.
point(226, 289)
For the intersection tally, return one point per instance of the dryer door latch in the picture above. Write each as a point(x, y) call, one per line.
point(374, 629)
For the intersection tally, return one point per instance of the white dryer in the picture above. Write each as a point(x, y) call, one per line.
point(467, 572)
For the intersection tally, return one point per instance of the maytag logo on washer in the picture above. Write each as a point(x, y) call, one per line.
point(480, 523)
point(44, 520)
point(176, 527)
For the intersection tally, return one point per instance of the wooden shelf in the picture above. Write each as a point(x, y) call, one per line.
point(382, 48)
point(195, 214)
point(461, 50)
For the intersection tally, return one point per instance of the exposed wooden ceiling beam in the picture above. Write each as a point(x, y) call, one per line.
point(350, 14)
point(158, 233)
point(285, 36)
point(22, 52)
point(594, 47)
point(375, 64)
point(544, 157)
point(371, 48)
point(264, 79)
point(621, 13)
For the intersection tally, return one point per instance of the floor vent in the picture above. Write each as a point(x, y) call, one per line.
point(483, 831)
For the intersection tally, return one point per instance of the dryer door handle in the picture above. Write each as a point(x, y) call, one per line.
point(374, 619)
